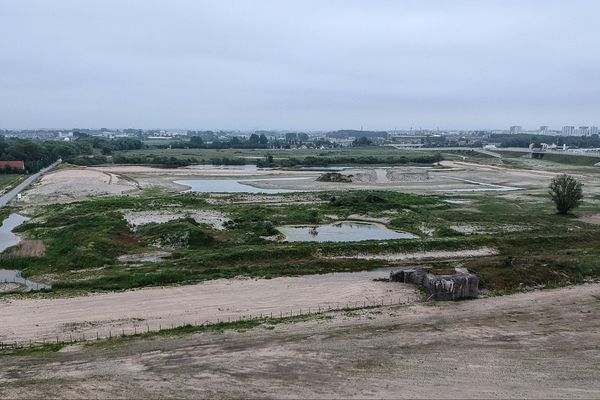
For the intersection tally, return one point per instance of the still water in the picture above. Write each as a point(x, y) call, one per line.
point(342, 232)
point(232, 185)
point(8, 239)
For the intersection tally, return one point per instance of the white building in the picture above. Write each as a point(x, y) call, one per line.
point(593, 130)
point(516, 129)
point(568, 130)
point(582, 131)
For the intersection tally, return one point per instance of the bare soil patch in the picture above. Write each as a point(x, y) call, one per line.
point(423, 255)
point(469, 229)
point(11, 287)
point(533, 345)
point(151, 256)
point(73, 184)
point(213, 218)
point(593, 219)
point(27, 248)
point(212, 300)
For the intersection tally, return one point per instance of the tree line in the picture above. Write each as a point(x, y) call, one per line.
point(39, 154)
point(524, 140)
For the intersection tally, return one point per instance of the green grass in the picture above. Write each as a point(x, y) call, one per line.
point(8, 181)
point(31, 350)
point(569, 159)
point(84, 240)
point(252, 155)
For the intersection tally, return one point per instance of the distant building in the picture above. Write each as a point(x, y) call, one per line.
point(582, 131)
point(543, 130)
point(63, 135)
point(593, 130)
point(516, 129)
point(13, 164)
point(568, 130)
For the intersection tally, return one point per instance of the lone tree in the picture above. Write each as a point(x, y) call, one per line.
point(566, 193)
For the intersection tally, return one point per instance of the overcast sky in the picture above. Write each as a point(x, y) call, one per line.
point(286, 64)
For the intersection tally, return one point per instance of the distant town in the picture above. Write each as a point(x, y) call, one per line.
point(568, 137)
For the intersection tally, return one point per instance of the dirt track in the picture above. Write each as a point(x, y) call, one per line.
point(39, 319)
point(534, 345)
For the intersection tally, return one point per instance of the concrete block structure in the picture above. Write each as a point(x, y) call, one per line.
point(459, 285)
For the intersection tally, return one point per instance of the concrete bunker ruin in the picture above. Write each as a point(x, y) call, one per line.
point(458, 285)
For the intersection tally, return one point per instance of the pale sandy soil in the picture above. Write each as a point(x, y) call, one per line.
point(150, 256)
point(10, 286)
point(541, 344)
point(426, 230)
point(212, 300)
point(424, 255)
point(469, 229)
point(367, 218)
point(591, 219)
point(456, 177)
point(74, 184)
point(242, 198)
point(138, 169)
point(79, 183)
point(213, 218)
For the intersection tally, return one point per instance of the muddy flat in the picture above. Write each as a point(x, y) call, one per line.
point(160, 307)
point(533, 345)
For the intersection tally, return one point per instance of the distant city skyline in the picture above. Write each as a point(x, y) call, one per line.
point(299, 65)
point(567, 130)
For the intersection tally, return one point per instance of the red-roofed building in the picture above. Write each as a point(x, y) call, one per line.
point(13, 164)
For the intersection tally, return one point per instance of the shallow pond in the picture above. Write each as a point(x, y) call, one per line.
point(342, 232)
point(8, 239)
point(232, 185)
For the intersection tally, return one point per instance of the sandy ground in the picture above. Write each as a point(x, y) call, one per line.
point(138, 169)
point(74, 184)
point(10, 286)
point(38, 319)
point(532, 345)
point(457, 177)
point(469, 229)
point(425, 255)
point(593, 219)
point(213, 218)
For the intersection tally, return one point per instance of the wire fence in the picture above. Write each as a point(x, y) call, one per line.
point(87, 335)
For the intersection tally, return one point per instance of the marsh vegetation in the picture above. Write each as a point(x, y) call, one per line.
point(84, 240)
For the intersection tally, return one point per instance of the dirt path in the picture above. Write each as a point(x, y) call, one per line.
point(39, 319)
point(533, 345)
point(425, 255)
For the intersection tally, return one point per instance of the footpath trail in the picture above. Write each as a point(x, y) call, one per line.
point(541, 344)
point(107, 314)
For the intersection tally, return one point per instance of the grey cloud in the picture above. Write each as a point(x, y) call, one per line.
point(298, 64)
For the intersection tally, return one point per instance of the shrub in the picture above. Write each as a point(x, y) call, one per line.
point(566, 193)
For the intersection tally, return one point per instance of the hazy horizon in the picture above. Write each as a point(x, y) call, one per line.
point(299, 65)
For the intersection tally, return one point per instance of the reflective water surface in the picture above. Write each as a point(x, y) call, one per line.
point(342, 232)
